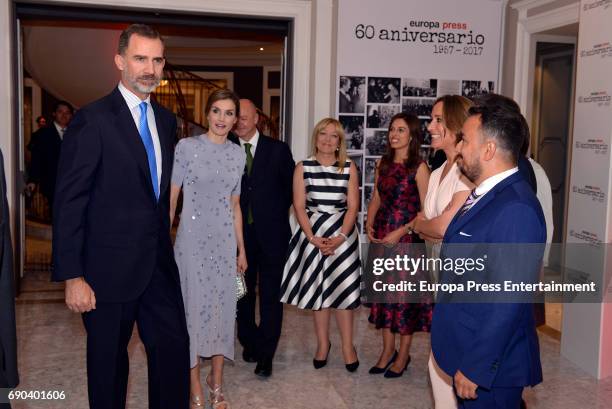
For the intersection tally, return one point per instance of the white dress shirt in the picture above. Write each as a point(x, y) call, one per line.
point(253, 143)
point(544, 195)
point(489, 183)
point(60, 130)
point(133, 103)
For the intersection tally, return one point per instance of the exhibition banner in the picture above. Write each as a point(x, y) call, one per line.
point(400, 55)
point(589, 198)
point(589, 211)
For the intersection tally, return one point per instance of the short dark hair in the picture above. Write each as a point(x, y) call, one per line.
point(501, 119)
point(221, 94)
point(63, 103)
point(142, 30)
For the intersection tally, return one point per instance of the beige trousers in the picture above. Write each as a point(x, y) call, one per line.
point(442, 386)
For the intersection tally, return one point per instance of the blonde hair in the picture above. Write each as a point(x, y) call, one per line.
point(341, 151)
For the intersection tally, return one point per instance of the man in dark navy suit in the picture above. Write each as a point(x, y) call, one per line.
point(490, 348)
point(265, 198)
point(45, 147)
point(111, 235)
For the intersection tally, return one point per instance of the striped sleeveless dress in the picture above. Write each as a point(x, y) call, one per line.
point(310, 279)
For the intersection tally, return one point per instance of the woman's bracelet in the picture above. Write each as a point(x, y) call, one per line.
point(343, 235)
point(408, 229)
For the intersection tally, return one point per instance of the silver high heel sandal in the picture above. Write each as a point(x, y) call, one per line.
point(196, 402)
point(215, 396)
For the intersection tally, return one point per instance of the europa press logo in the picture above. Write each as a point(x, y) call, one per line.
point(586, 236)
point(601, 98)
point(596, 4)
point(594, 192)
point(596, 145)
point(603, 50)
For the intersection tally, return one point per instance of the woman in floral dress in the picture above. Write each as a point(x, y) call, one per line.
point(401, 186)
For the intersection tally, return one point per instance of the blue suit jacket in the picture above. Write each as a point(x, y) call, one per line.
point(493, 344)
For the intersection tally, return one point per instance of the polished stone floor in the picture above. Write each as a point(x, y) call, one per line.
point(52, 357)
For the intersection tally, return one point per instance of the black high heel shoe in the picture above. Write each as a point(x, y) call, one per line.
point(391, 374)
point(320, 363)
point(376, 370)
point(352, 367)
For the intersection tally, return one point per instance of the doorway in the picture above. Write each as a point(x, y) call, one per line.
point(553, 106)
point(214, 40)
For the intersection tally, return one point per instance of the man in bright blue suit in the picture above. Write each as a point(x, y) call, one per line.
point(489, 348)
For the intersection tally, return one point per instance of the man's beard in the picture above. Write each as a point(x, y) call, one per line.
point(472, 172)
point(138, 86)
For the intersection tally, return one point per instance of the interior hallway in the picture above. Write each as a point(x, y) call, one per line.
point(52, 357)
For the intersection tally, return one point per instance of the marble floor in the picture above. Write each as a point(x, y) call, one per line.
point(52, 357)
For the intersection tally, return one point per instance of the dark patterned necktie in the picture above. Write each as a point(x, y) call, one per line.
point(469, 202)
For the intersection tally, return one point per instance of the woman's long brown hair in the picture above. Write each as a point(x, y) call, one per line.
point(416, 139)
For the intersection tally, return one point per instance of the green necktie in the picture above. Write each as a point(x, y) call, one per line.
point(249, 158)
point(249, 166)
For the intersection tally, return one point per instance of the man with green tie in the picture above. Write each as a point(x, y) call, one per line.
point(266, 195)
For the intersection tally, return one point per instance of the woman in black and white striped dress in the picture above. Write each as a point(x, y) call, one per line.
point(323, 269)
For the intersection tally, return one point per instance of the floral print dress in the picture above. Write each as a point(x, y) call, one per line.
point(399, 204)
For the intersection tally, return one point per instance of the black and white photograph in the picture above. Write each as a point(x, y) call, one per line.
point(419, 88)
point(472, 89)
point(357, 158)
point(426, 135)
point(364, 219)
point(370, 170)
point(449, 87)
point(351, 95)
point(376, 142)
point(417, 106)
point(379, 116)
point(426, 153)
point(353, 131)
point(384, 90)
point(367, 195)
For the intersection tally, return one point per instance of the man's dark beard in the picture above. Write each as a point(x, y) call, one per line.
point(471, 173)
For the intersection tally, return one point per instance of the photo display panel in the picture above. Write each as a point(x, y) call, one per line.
point(401, 56)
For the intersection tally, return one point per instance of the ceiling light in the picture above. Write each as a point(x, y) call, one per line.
point(261, 48)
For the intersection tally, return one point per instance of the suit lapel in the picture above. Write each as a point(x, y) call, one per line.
point(261, 156)
point(459, 221)
point(124, 122)
point(57, 139)
point(165, 144)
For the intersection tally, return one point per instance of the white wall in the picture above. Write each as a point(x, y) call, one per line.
point(7, 100)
